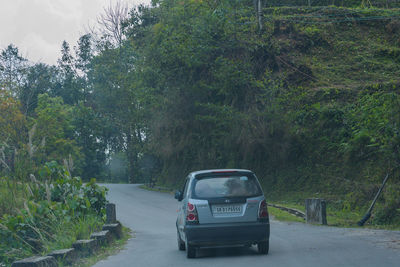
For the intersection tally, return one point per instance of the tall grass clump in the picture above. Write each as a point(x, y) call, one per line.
point(10, 190)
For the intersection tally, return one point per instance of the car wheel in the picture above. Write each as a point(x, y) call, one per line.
point(190, 251)
point(263, 247)
point(181, 244)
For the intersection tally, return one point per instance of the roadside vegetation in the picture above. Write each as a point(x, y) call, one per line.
point(49, 212)
point(281, 215)
point(44, 204)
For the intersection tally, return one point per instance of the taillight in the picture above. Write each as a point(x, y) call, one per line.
point(191, 214)
point(263, 210)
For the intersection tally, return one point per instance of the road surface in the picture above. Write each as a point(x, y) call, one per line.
point(152, 215)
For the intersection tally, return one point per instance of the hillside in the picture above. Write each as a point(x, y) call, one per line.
point(341, 69)
point(346, 122)
point(343, 48)
point(309, 101)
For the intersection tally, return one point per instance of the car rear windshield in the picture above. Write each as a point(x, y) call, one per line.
point(226, 186)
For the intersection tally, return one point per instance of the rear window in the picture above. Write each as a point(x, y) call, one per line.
point(232, 186)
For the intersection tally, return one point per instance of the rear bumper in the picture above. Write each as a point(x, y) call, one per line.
point(227, 234)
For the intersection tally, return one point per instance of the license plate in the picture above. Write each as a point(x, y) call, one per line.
point(226, 209)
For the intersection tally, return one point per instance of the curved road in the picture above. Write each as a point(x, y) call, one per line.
point(152, 215)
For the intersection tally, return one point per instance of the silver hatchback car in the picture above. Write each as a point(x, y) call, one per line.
point(222, 208)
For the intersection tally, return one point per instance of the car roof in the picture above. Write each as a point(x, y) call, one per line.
point(195, 173)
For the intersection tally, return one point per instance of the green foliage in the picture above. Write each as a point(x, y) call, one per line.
point(12, 196)
point(228, 97)
point(39, 79)
point(310, 103)
point(375, 124)
point(12, 121)
point(96, 196)
point(56, 212)
point(283, 215)
point(89, 135)
point(13, 126)
point(388, 212)
point(12, 70)
point(54, 133)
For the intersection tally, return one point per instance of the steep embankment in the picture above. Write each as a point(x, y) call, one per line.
point(341, 68)
point(337, 47)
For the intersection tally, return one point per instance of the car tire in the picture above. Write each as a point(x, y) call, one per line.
point(181, 244)
point(190, 251)
point(263, 247)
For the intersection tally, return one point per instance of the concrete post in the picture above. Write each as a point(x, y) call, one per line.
point(110, 213)
point(316, 211)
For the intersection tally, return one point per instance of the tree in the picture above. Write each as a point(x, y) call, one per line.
point(70, 90)
point(12, 129)
point(40, 79)
point(12, 69)
point(73, 69)
point(55, 132)
point(84, 54)
point(112, 22)
point(89, 135)
point(12, 121)
point(119, 101)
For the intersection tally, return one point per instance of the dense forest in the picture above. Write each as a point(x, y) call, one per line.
point(304, 93)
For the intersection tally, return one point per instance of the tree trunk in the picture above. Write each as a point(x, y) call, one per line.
point(132, 158)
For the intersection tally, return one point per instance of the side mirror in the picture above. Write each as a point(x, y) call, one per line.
point(178, 195)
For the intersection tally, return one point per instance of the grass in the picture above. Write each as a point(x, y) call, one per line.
point(23, 209)
point(55, 231)
point(67, 233)
point(105, 251)
point(346, 55)
point(334, 215)
point(12, 196)
point(281, 215)
point(346, 60)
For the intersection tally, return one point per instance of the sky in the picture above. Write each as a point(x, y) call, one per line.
point(38, 27)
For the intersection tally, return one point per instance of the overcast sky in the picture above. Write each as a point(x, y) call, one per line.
point(38, 27)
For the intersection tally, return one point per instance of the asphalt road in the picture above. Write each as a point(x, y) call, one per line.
point(152, 215)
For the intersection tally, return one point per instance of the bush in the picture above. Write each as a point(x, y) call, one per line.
point(58, 206)
point(388, 210)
